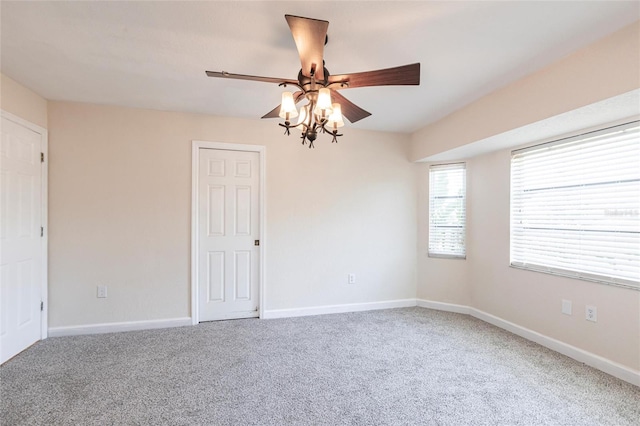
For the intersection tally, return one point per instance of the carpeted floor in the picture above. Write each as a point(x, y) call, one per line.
point(391, 367)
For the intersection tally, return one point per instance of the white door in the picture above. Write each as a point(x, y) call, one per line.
point(228, 234)
point(20, 239)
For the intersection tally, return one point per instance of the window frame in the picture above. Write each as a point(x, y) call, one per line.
point(552, 270)
point(450, 166)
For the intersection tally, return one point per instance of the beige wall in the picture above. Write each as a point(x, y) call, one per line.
point(20, 101)
point(532, 299)
point(120, 208)
point(439, 279)
point(484, 280)
point(602, 70)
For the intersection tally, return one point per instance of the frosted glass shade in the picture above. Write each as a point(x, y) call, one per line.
point(323, 104)
point(335, 119)
point(288, 106)
point(303, 116)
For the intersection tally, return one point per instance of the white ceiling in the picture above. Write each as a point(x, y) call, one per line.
point(154, 54)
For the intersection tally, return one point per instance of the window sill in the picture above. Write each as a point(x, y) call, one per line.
point(447, 256)
point(577, 276)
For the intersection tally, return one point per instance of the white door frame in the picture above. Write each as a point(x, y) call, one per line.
point(195, 164)
point(44, 241)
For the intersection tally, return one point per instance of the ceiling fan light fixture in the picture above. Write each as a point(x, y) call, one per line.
point(323, 104)
point(288, 106)
point(318, 86)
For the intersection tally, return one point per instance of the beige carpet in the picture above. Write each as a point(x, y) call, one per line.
point(392, 367)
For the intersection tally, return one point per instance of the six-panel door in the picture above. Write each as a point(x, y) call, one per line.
point(228, 231)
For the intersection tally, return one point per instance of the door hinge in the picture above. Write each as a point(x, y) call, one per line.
point(42, 231)
point(42, 157)
point(42, 306)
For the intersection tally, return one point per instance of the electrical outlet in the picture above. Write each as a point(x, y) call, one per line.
point(591, 313)
point(102, 291)
point(352, 278)
point(566, 307)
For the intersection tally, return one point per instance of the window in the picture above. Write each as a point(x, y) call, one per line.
point(447, 210)
point(575, 206)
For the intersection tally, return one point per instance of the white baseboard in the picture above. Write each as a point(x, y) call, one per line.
point(113, 327)
point(441, 306)
point(596, 361)
point(338, 309)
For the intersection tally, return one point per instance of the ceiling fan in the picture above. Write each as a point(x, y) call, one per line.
point(325, 107)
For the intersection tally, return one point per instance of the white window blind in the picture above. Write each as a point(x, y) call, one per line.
point(447, 210)
point(575, 206)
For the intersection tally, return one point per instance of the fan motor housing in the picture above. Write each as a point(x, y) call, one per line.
point(306, 82)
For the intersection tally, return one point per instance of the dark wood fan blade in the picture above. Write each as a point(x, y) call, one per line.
point(275, 113)
point(350, 110)
point(225, 74)
point(406, 75)
point(309, 35)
